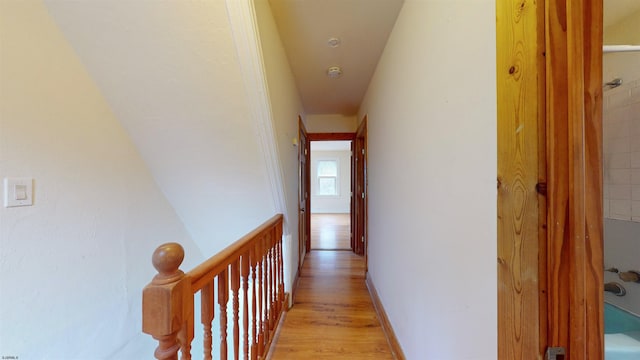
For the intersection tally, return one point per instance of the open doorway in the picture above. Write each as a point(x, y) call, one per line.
point(356, 216)
point(330, 189)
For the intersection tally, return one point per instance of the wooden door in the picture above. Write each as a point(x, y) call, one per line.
point(360, 193)
point(304, 182)
point(353, 194)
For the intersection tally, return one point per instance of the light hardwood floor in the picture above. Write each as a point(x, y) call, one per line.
point(333, 316)
point(331, 231)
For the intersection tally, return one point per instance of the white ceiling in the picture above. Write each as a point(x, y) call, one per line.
point(363, 27)
point(305, 27)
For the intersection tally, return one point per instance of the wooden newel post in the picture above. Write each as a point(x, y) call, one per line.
point(162, 301)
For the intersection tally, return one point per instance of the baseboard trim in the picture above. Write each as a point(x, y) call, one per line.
point(294, 289)
point(276, 334)
point(384, 321)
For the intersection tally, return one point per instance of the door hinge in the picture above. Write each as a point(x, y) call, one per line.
point(362, 151)
point(555, 353)
point(362, 238)
point(363, 195)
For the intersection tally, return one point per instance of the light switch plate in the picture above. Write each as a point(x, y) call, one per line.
point(18, 192)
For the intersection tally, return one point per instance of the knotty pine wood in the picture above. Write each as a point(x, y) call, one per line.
point(575, 249)
point(333, 316)
point(521, 216)
point(330, 231)
point(594, 233)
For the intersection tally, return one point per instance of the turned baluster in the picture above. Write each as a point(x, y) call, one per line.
point(276, 277)
point(254, 295)
point(280, 268)
point(162, 301)
point(206, 318)
point(276, 251)
point(245, 309)
point(186, 334)
point(260, 297)
point(272, 307)
point(223, 297)
point(267, 289)
point(235, 286)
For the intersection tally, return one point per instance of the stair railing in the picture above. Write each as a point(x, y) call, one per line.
point(250, 269)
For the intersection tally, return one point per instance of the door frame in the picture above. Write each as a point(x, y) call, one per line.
point(335, 136)
point(359, 205)
point(549, 83)
point(575, 268)
point(304, 200)
point(360, 193)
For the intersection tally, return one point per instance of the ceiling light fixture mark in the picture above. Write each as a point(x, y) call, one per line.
point(333, 42)
point(334, 72)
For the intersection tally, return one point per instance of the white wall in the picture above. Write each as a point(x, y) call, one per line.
point(328, 123)
point(285, 106)
point(170, 72)
point(73, 265)
point(624, 32)
point(431, 179)
point(340, 204)
point(621, 143)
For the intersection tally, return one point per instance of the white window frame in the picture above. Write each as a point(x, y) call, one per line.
point(336, 177)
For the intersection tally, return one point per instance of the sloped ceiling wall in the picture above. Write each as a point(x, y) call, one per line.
point(169, 71)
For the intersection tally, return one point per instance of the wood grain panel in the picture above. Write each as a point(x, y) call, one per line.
point(520, 74)
point(574, 256)
point(594, 247)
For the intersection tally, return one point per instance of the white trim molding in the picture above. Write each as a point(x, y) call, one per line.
point(244, 28)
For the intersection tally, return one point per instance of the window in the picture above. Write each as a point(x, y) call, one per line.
point(327, 177)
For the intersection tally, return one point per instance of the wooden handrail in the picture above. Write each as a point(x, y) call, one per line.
point(216, 263)
point(245, 280)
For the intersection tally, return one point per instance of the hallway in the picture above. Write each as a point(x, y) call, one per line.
point(333, 316)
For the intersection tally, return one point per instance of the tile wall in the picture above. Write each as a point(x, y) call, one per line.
point(621, 147)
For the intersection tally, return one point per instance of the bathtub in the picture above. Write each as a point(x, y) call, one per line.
point(621, 334)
